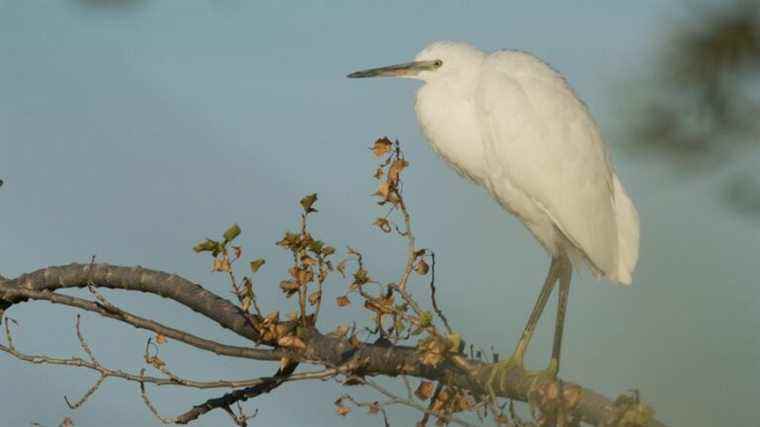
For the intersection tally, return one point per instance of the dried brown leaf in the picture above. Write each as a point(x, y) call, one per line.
point(424, 390)
point(222, 264)
point(343, 301)
point(394, 172)
point(383, 224)
point(373, 408)
point(308, 261)
point(382, 147)
point(314, 297)
point(257, 264)
point(289, 287)
point(421, 267)
point(378, 173)
point(341, 267)
point(383, 190)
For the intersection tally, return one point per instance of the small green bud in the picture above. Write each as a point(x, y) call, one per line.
point(231, 233)
point(207, 245)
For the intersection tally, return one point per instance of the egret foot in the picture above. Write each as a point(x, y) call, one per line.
point(547, 375)
point(500, 372)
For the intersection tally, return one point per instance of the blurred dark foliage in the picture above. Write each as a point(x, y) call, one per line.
point(706, 110)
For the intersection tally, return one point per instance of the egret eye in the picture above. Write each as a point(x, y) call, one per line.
point(438, 62)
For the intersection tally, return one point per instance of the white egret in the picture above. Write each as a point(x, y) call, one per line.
point(510, 123)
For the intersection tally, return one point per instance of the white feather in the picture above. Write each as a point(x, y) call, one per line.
point(510, 123)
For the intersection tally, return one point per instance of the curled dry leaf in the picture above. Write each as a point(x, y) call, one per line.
point(361, 277)
point(424, 390)
point(289, 287)
point(381, 305)
point(383, 190)
point(421, 267)
point(155, 361)
point(378, 173)
point(394, 172)
point(382, 147)
point(342, 410)
point(221, 264)
point(374, 408)
point(301, 275)
point(290, 241)
point(343, 301)
point(341, 267)
point(383, 224)
point(308, 261)
point(257, 264)
point(314, 297)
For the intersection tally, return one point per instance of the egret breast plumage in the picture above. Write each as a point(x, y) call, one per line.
point(510, 123)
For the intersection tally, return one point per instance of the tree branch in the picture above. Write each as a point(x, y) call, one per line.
point(19, 294)
point(185, 292)
point(326, 350)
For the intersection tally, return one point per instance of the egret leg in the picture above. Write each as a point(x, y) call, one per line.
point(551, 279)
point(565, 276)
point(501, 369)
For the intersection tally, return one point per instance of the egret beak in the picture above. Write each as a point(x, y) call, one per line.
point(399, 70)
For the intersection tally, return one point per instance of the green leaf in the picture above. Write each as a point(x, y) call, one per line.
point(316, 246)
point(207, 245)
point(231, 233)
point(308, 201)
point(426, 319)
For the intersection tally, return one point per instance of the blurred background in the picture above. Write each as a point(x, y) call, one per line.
point(130, 129)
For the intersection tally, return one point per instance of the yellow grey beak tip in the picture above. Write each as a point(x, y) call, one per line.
point(398, 70)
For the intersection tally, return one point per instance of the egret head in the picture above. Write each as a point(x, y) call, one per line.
point(438, 59)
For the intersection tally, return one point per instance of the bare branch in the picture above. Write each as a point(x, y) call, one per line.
point(321, 349)
point(166, 285)
point(115, 313)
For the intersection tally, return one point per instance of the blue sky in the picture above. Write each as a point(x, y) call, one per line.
point(131, 133)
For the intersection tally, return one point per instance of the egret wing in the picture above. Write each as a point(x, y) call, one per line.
point(542, 145)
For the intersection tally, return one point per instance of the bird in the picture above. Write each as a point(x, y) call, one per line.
point(510, 123)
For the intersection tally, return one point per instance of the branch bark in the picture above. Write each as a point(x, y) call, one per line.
point(321, 349)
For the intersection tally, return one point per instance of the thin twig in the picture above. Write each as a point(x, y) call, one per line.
point(108, 310)
point(432, 294)
point(412, 404)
